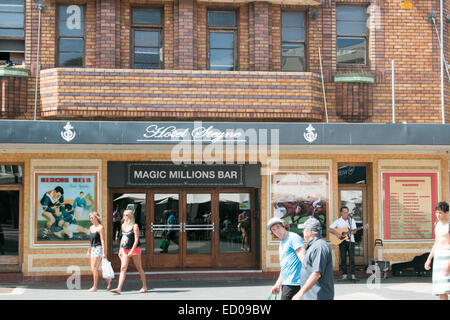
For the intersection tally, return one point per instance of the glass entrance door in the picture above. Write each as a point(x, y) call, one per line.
point(182, 229)
point(354, 197)
point(165, 229)
point(188, 228)
point(198, 228)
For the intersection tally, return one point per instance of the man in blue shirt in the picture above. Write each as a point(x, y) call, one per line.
point(316, 277)
point(291, 253)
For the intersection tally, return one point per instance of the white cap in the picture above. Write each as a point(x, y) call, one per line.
point(273, 221)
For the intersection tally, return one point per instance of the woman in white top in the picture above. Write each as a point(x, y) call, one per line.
point(441, 253)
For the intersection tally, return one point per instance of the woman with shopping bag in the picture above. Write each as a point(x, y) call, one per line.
point(95, 252)
point(130, 250)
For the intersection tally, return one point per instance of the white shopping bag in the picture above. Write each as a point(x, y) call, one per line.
point(107, 270)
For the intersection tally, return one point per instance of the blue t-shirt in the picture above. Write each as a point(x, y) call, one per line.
point(289, 261)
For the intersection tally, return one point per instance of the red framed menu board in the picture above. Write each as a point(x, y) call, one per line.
point(409, 201)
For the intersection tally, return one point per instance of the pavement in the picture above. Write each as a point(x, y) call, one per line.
point(225, 289)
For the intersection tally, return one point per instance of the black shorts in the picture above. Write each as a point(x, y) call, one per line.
point(288, 292)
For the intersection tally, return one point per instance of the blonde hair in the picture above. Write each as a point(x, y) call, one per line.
point(96, 215)
point(130, 214)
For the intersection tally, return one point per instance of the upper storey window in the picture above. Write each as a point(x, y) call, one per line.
point(222, 44)
point(293, 41)
point(351, 35)
point(12, 43)
point(147, 31)
point(71, 36)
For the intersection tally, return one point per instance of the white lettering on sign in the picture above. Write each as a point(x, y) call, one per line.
point(210, 145)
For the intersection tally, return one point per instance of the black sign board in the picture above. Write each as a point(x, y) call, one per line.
point(149, 174)
point(204, 133)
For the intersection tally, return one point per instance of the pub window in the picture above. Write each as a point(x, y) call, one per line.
point(293, 41)
point(71, 25)
point(222, 44)
point(11, 174)
point(147, 31)
point(351, 35)
point(12, 35)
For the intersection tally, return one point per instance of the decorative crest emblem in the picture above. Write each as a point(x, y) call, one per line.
point(68, 134)
point(310, 135)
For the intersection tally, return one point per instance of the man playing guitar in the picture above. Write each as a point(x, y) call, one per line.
point(348, 245)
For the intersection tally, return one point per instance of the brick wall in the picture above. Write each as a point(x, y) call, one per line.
point(404, 35)
point(172, 94)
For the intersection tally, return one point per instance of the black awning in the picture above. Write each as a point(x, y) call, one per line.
point(249, 133)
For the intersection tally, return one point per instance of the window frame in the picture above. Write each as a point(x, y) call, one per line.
point(305, 41)
point(23, 28)
point(147, 27)
point(223, 29)
point(58, 35)
point(366, 37)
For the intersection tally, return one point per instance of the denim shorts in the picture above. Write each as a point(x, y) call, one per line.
point(96, 252)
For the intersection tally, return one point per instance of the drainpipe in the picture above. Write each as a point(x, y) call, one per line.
point(40, 6)
point(393, 91)
point(314, 16)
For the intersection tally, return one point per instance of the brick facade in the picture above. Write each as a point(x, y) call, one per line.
point(403, 35)
point(164, 94)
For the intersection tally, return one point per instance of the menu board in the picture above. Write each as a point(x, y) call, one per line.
point(409, 200)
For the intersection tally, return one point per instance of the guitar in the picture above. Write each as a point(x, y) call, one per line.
point(345, 233)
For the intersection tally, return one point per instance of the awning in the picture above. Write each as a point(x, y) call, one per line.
point(133, 196)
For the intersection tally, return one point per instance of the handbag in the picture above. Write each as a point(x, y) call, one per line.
point(107, 270)
point(270, 297)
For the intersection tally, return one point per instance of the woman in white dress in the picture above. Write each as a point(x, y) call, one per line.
point(441, 253)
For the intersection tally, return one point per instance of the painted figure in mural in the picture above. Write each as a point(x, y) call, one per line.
point(95, 252)
point(51, 203)
point(291, 251)
point(441, 252)
point(130, 250)
point(79, 205)
point(347, 247)
point(279, 211)
point(299, 209)
point(71, 231)
point(316, 275)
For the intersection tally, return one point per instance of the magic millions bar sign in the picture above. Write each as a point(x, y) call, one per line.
point(149, 174)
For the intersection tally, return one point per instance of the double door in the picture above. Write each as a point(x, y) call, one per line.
point(191, 228)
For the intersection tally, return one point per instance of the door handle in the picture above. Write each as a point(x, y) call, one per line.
point(165, 227)
point(198, 227)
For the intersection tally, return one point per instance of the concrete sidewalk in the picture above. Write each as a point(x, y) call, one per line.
point(400, 288)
